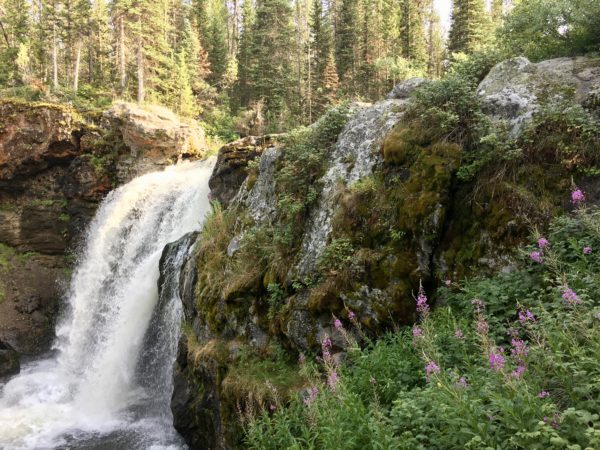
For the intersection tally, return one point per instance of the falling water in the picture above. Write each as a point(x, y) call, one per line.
point(94, 392)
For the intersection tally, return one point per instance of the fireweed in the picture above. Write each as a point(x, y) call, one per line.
point(542, 392)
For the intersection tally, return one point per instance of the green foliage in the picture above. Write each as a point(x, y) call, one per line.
point(543, 29)
point(385, 398)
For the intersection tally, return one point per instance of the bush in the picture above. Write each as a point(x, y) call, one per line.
point(541, 29)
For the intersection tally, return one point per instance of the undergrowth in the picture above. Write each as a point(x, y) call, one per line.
point(504, 362)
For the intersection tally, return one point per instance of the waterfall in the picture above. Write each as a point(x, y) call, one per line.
point(94, 392)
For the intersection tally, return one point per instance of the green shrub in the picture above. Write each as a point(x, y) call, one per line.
point(541, 29)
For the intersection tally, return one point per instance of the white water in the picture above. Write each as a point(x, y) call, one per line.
point(87, 395)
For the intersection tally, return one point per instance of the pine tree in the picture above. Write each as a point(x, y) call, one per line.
point(15, 28)
point(470, 26)
point(321, 52)
point(412, 31)
point(269, 77)
point(244, 54)
point(184, 101)
point(347, 42)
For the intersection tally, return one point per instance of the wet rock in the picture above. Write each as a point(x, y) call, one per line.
point(9, 360)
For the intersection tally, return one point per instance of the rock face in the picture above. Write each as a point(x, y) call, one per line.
point(232, 165)
point(155, 138)
point(33, 139)
point(515, 89)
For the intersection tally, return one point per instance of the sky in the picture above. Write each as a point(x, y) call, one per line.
point(444, 7)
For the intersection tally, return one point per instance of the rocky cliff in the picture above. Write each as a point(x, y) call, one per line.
point(56, 164)
point(347, 219)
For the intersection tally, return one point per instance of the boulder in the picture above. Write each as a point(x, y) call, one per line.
point(405, 89)
point(9, 360)
point(516, 88)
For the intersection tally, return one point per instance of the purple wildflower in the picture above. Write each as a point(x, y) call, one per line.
point(351, 315)
point(422, 306)
point(526, 316)
point(519, 371)
point(326, 343)
point(577, 196)
point(301, 358)
point(543, 243)
point(597, 316)
point(312, 395)
point(587, 250)
point(448, 283)
point(272, 407)
point(332, 380)
point(497, 360)
point(536, 257)
point(458, 334)
point(417, 332)
point(554, 422)
point(570, 297)
point(544, 394)
point(337, 323)
point(431, 368)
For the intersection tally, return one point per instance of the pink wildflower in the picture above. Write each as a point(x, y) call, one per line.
point(597, 316)
point(544, 394)
point(587, 250)
point(422, 306)
point(458, 334)
point(351, 315)
point(312, 395)
point(326, 343)
point(301, 358)
point(332, 380)
point(482, 326)
point(448, 283)
point(497, 360)
point(577, 196)
point(431, 368)
point(526, 316)
point(519, 349)
point(519, 371)
point(570, 297)
point(462, 383)
point(417, 332)
point(478, 304)
point(337, 323)
point(543, 243)
point(536, 257)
